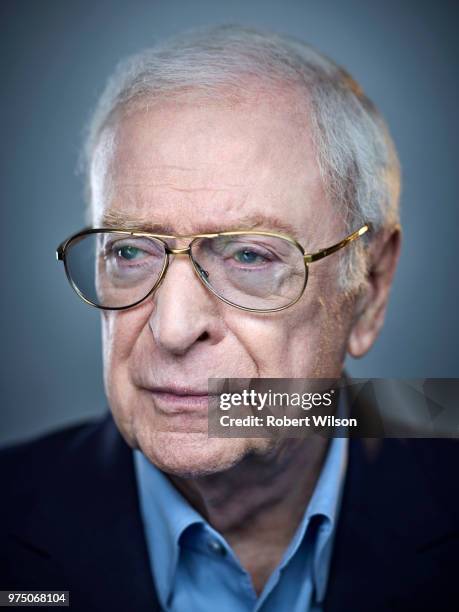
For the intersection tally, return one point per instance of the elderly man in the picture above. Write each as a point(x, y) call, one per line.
point(243, 203)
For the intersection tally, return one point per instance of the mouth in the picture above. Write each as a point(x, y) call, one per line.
point(174, 400)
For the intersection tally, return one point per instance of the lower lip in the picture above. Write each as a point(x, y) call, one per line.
point(170, 403)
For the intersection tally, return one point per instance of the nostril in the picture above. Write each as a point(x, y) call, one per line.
point(203, 336)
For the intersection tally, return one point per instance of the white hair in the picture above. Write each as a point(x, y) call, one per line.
point(354, 150)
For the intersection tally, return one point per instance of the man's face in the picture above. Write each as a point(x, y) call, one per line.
point(190, 169)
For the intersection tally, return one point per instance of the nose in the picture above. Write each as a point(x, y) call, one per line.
point(184, 311)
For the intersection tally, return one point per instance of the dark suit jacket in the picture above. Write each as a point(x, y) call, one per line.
point(69, 520)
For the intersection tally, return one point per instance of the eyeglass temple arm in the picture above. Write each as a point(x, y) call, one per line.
point(310, 257)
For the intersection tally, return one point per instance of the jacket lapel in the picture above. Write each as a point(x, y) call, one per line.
point(90, 529)
point(389, 526)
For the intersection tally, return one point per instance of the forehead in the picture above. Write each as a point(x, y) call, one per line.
point(189, 168)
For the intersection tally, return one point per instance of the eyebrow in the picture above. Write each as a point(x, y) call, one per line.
point(121, 220)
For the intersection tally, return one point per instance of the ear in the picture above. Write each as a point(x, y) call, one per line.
point(371, 303)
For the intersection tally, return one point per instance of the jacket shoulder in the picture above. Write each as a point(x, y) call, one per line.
point(31, 463)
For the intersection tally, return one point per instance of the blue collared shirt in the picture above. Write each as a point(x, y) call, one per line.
point(194, 568)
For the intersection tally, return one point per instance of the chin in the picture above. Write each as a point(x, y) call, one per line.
point(190, 455)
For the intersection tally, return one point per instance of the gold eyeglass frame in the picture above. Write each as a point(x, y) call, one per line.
point(308, 258)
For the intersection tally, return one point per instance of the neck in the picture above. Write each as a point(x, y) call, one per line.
point(258, 504)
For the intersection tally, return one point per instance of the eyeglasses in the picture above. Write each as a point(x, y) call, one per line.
point(257, 271)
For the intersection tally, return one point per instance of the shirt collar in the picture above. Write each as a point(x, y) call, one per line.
point(326, 502)
point(166, 515)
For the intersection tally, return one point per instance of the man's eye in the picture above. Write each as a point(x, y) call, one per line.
point(130, 252)
point(248, 256)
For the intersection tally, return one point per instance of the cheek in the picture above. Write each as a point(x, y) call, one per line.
point(120, 334)
point(308, 340)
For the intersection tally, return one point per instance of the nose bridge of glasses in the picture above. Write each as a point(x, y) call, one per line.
point(179, 251)
point(202, 274)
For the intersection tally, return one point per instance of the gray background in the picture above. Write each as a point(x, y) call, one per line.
point(55, 58)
